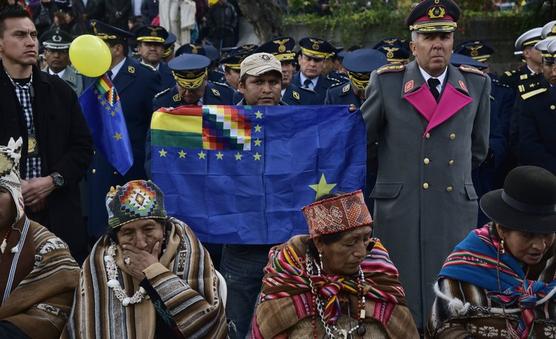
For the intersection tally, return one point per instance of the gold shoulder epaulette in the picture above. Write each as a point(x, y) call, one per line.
point(470, 69)
point(390, 68)
point(532, 93)
point(162, 92)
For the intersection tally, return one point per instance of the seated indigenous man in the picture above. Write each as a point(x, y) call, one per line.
point(37, 273)
point(336, 282)
point(148, 277)
point(491, 286)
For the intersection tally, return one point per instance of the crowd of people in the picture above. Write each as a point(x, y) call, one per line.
point(409, 255)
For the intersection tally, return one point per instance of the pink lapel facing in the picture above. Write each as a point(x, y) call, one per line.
point(423, 101)
point(451, 101)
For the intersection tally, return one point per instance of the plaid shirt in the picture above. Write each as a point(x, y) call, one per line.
point(23, 93)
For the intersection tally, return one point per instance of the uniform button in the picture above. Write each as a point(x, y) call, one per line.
point(94, 171)
point(426, 185)
point(428, 135)
point(449, 189)
point(115, 173)
point(451, 162)
point(426, 161)
point(552, 107)
point(452, 136)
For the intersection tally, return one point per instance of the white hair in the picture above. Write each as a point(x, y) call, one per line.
point(414, 35)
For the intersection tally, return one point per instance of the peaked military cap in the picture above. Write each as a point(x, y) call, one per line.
point(191, 49)
point(529, 38)
point(360, 63)
point(108, 32)
point(152, 34)
point(235, 56)
point(478, 50)
point(211, 51)
point(395, 49)
point(431, 16)
point(281, 48)
point(458, 59)
point(549, 30)
point(316, 48)
point(189, 70)
point(56, 39)
point(550, 56)
point(169, 44)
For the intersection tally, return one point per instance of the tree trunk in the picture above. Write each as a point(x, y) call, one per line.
point(264, 15)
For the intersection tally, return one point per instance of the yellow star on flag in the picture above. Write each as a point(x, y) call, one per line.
point(182, 154)
point(162, 153)
point(202, 155)
point(118, 136)
point(258, 128)
point(257, 156)
point(258, 115)
point(258, 142)
point(322, 188)
point(219, 155)
point(238, 156)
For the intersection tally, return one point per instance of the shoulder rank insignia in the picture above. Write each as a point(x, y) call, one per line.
point(523, 77)
point(530, 94)
point(295, 95)
point(390, 68)
point(215, 92)
point(470, 69)
point(346, 88)
point(131, 69)
point(509, 73)
point(162, 92)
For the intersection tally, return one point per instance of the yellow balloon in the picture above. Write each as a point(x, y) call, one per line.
point(90, 55)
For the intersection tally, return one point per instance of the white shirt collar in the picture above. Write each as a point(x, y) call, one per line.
point(314, 81)
point(59, 74)
point(117, 68)
point(440, 78)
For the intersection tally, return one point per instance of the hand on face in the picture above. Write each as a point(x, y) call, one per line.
point(136, 260)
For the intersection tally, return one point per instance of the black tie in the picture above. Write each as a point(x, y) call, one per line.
point(432, 82)
point(307, 83)
point(109, 73)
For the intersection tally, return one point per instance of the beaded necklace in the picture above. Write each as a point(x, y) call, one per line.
point(114, 283)
point(332, 331)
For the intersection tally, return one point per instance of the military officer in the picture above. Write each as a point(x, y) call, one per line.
point(537, 120)
point(136, 86)
point(150, 46)
point(428, 121)
point(396, 50)
point(283, 49)
point(232, 62)
point(524, 46)
point(192, 86)
point(476, 49)
point(56, 44)
point(359, 64)
point(310, 77)
point(169, 47)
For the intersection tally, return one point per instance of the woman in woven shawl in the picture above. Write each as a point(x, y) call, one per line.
point(149, 277)
point(37, 273)
point(499, 281)
point(336, 282)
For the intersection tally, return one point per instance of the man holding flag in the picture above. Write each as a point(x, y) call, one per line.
point(239, 175)
point(119, 108)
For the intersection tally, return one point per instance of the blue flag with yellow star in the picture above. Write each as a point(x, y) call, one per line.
point(241, 174)
point(103, 112)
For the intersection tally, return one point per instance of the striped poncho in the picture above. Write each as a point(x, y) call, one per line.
point(286, 300)
point(185, 284)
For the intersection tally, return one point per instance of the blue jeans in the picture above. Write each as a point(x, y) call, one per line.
point(242, 267)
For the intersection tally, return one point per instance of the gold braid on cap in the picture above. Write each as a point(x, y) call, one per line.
point(233, 66)
point(314, 54)
point(285, 56)
point(429, 27)
point(150, 39)
point(190, 80)
point(359, 80)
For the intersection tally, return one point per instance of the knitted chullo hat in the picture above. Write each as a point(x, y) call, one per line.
point(137, 199)
point(9, 173)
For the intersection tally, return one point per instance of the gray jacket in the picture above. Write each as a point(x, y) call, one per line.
point(425, 202)
point(72, 78)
